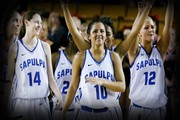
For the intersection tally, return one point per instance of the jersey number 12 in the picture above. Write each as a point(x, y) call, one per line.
point(150, 77)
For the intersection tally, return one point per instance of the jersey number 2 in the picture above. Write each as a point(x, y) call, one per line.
point(65, 87)
point(36, 78)
point(150, 77)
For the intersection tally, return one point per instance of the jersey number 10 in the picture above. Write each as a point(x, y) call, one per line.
point(101, 92)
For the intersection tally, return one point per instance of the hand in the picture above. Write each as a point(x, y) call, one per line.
point(58, 103)
point(150, 2)
point(94, 80)
point(64, 3)
point(141, 5)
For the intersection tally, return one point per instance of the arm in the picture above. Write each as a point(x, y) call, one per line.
point(10, 72)
point(55, 58)
point(76, 67)
point(52, 83)
point(119, 85)
point(137, 25)
point(76, 34)
point(165, 37)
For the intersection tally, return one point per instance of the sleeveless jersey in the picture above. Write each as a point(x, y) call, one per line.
point(147, 85)
point(31, 72)
point(93, 95)
point(63, 74)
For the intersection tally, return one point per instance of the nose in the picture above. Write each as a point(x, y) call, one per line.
point(39, 25)
point(19, 23)
point(99, 33)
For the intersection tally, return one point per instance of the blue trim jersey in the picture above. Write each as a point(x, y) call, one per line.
point(147, 86)
point(93, 95)
point(31, 72)
point(63, 74)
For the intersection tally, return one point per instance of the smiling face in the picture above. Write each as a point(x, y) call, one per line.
point(14, 24)
point(34, 26)
point(109, 41)
point(97, 34)
point(148, 30)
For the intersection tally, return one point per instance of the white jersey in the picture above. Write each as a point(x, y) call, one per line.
point(31, 72)
point(147, 85)
point(63, 74)
point(93, 95)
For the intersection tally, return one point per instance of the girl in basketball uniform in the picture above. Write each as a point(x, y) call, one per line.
point(12, 26)
point(147, 84)
point(98, 75)
point(62, 64)
point(30, 67)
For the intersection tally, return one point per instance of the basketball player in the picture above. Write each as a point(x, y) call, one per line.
point(98, 74)
point(62, 63)
point(123, 47)
point(147, 84)
point(30, 67)
point(12, 27)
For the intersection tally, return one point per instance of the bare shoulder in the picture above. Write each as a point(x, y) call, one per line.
point(45, 44)
point(55, 55)
point(115, 56)
point(80, 54)
point(79, 57)
point(13, 47)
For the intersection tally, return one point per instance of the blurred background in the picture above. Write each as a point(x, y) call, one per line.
point(123, 12)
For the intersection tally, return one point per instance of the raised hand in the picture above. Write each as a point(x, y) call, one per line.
point(64, 3)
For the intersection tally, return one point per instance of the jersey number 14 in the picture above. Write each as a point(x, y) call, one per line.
point(34, 78)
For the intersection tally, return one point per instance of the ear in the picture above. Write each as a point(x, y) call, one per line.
point(25, 22)
point(89, 38)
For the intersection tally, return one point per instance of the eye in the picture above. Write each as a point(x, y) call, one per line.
point(152, 27)
point(108, 34)
point(95, 31)
point(146, 27)
point(102, 31)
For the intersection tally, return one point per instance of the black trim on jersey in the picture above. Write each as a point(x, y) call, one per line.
point(95, 59)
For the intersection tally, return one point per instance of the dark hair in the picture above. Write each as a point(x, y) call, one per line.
point(95, 20)
point(28, 15)
point(7, 18)
point(108, 22)
point(119, 35)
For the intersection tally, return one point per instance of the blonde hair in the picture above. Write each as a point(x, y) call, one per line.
point(150, 19)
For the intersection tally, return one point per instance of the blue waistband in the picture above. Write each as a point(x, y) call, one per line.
point(135, 105)
point(86, 108)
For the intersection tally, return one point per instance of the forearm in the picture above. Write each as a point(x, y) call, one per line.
point(55, 89)
point(69, 98)
point(77, 37)
point(114, 86)
point(169, 14)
